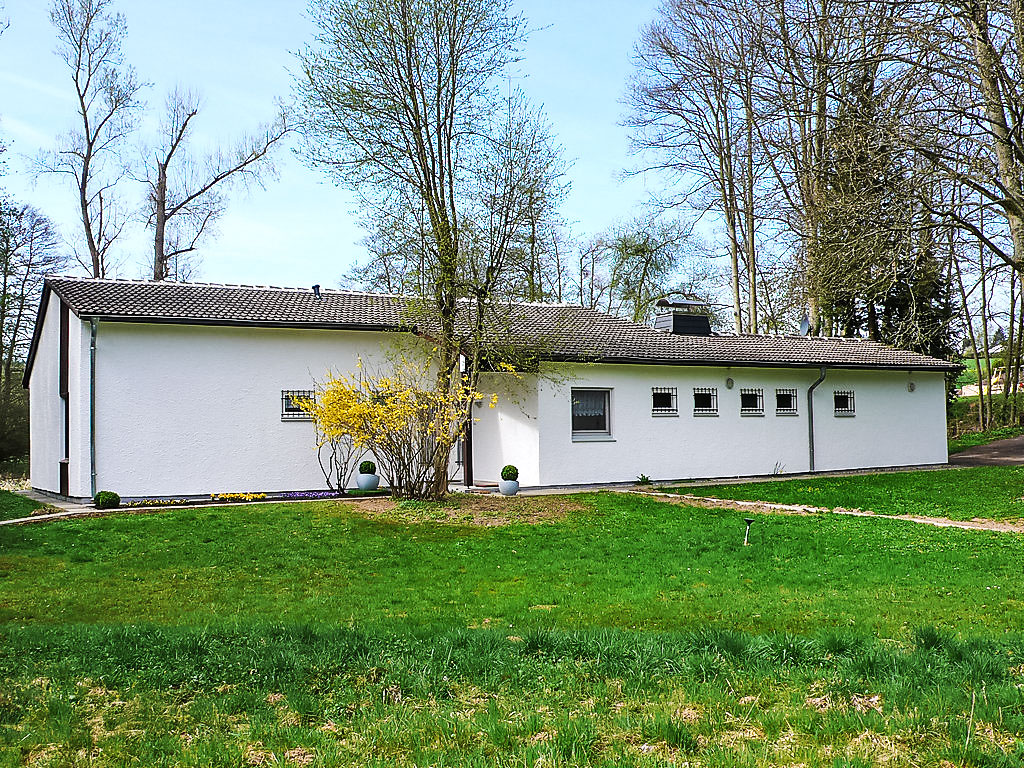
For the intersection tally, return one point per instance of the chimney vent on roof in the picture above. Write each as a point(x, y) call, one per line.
point(316, 290)
point(684, 317)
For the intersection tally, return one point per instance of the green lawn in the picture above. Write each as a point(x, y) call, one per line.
point(625, 631)
point(971, 439)
point(993, 493)
point(13, 506)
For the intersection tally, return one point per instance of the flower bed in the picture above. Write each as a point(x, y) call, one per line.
point(234, 498)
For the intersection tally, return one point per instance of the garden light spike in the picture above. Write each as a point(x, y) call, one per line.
point(746, 536)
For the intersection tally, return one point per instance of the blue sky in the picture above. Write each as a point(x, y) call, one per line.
point(238, 55)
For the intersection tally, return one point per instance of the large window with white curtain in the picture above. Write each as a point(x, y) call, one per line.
point(590, 412)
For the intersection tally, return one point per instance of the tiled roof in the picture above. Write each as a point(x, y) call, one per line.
point(557, 331)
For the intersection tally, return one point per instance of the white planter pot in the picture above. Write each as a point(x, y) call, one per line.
point(367, 482)
point(508, 487)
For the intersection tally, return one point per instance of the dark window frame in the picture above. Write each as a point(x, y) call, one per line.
point(291, 412)
point(669, 410)
point(851, 403)
point(758, 408)
point(786, 411)
point(711, 410)
point(591, 433)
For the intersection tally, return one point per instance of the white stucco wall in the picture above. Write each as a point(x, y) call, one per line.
point(184, 410)
point(79, 465)
point(508, 433)
point(892, 426)
point(46, 410)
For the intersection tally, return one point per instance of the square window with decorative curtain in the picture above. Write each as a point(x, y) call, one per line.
point(590, 412)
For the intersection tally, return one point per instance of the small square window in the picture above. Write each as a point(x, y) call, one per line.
point(664, 402)
point(844, 403)
point(590, 412)
point(752, 402)
point(290, 408)
point(705, 401)
point(785, 402)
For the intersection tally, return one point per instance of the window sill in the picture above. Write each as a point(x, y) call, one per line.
point(705, 413)
point(845, 415)
point(751, 413)
point(786, 413)
point(662, 415)
point(585, 438)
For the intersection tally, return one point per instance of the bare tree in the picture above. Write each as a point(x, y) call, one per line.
point(28, 252)
point(89, 37)
point(692, 111)
point(186, 194)
point(401, 105)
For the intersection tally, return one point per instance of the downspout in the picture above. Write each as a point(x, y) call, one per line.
point(810, 415)
point(92, 403)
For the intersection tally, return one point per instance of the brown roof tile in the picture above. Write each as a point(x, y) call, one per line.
point(561, 332)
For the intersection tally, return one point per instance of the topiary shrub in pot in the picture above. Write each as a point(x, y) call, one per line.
point(106, 500)
point(509, 483)
point(367, 479)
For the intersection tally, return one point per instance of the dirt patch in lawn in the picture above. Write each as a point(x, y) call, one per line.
point(472, 509)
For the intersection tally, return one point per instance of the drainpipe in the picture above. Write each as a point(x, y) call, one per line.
point(92, 403)
point(810, 415)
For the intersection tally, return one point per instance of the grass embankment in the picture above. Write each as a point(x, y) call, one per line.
point(318, 634)
point(993, 493)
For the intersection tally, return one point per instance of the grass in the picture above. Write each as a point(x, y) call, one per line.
point(282, 695)
point(594, 630)
point(970, 439)
point(963, 422)
point(13, 506)
point(621, 562)
point(993, 493)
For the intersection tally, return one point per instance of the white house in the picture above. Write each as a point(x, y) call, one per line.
point(156, 389)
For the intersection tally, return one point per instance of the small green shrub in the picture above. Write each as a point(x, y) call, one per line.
point(368, 468)
point(509, 472)
point(643, 480)
point(106, 500)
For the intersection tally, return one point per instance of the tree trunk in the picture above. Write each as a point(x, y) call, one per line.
point(160, 270)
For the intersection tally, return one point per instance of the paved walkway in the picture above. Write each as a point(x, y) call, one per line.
point(1008, 452)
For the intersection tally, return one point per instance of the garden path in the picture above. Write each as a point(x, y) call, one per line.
point(771, 508)
point(1001, 452)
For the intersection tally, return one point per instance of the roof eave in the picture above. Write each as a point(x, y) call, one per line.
point(166, 320)
point(37, 332)
point(627, 360)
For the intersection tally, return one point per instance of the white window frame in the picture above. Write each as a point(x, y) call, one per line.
point(593, 435)
point(845, 412)
point(292, 414)
point(713, 410)
point(672, 410)
point(794, 411)
point(757, 410)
